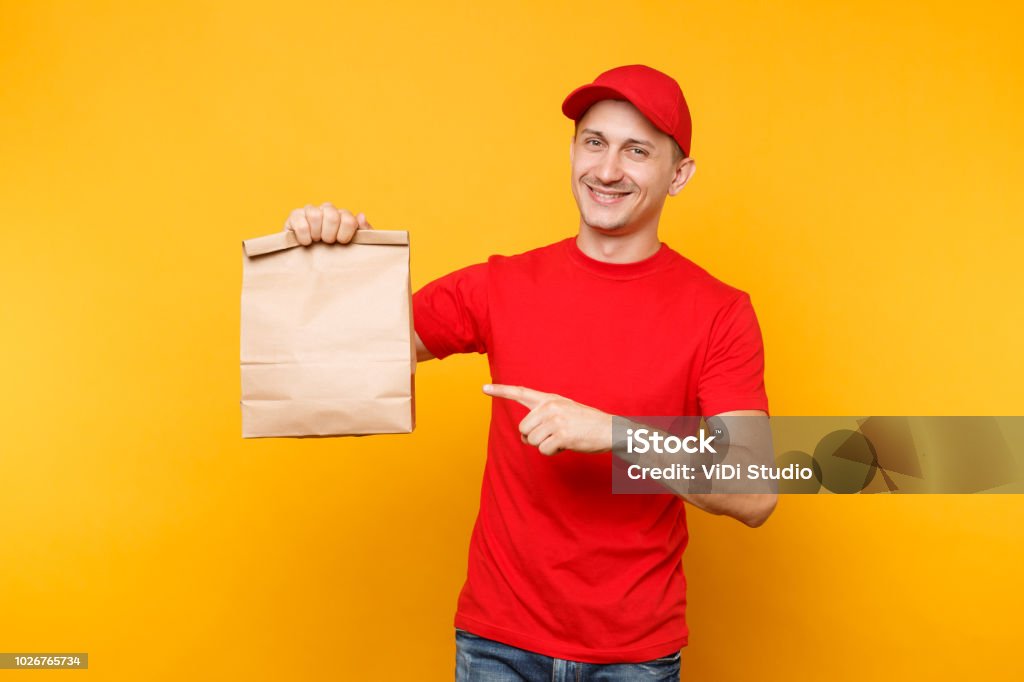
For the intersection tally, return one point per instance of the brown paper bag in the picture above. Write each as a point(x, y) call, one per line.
point(327, 337)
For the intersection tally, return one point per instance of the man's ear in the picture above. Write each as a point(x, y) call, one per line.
point(684, 171)
point(572, 148)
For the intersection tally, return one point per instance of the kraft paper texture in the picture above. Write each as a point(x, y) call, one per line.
point(327, 340)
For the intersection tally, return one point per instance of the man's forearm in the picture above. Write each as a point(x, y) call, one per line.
point(751, 508)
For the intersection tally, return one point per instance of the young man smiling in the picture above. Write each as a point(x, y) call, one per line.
point(621, 183)
point(566, 580)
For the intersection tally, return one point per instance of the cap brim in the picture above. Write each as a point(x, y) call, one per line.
point(580, 99)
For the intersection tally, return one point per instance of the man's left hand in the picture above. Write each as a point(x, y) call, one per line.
point(556, 423)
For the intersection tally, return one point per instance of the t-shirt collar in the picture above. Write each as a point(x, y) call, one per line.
point(602, 268)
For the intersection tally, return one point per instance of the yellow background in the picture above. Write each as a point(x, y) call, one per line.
point(858, 172)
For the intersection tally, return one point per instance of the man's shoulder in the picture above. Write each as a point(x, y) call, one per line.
point(530, 259)
point(696, 277)
point(537, 253)
point(500, 264)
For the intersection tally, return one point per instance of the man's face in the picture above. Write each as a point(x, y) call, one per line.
point(622, 169)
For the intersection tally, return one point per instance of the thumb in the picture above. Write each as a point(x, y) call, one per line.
point(364, 224)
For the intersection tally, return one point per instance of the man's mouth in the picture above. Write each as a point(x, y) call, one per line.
point(606, 198)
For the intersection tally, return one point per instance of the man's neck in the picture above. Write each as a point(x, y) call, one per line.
point(617, 248)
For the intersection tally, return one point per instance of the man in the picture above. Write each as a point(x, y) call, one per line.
point(565, 579)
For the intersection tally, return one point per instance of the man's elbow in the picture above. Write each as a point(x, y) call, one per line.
point(759, 509)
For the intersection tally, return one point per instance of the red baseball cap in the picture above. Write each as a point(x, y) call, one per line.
point(655, 94)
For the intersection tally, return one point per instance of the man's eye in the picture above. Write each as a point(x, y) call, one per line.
point(592, 140)
point(642, 151)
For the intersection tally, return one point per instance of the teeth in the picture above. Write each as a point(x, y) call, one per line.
point(606, 196)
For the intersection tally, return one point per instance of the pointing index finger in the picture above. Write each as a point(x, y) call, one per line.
point(527, 397)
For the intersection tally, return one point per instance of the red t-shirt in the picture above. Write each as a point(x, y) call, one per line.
point(559, 565)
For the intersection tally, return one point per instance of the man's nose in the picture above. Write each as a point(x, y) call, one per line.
point(609, 170)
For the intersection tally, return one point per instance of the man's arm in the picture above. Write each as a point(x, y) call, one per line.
point(422, 354)
point(556, 423)
point(748, 443)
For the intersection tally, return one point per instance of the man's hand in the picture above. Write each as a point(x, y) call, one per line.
point(556, 423)
point(325, 223)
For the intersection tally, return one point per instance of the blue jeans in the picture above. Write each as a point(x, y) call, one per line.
point(478, 659)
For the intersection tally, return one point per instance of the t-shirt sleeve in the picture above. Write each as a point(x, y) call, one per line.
point(450, 314)
point(732, 377)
